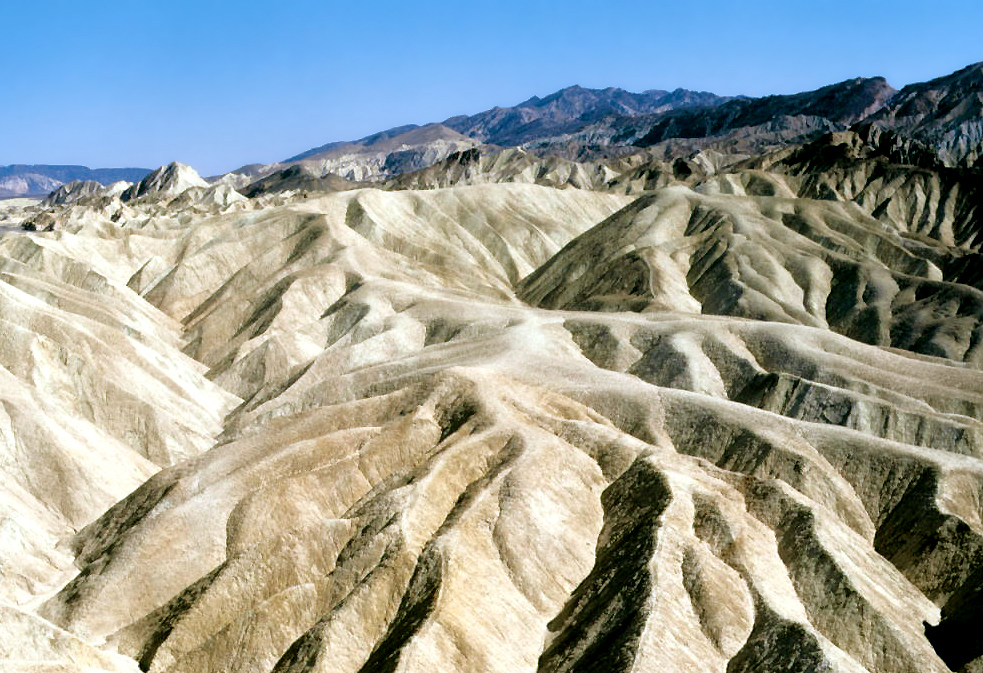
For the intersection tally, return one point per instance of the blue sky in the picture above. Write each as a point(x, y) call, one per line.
point(218, 84)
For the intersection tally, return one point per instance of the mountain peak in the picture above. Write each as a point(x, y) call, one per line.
point(168, 180)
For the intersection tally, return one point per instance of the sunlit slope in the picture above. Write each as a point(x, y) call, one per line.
point(777, 258)
point(509, 427)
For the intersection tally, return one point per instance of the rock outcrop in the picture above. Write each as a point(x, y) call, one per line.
point(72, 192)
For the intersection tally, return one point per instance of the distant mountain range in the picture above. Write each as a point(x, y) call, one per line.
point(560, 115)
point(945, 114)
point(571, 110)
point(40, 179)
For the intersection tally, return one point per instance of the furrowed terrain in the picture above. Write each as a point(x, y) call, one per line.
point(504, 413)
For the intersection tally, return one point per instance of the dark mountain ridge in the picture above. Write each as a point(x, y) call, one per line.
point(571, 104)
point(574, 106)
point(843, 103)
point(945, 113)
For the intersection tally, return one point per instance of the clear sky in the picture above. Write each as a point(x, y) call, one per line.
point(217, 84)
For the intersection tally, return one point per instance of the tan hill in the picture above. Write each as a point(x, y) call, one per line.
point(381, 155)
point(417, 436)
point(474, 167)
point(168, 180)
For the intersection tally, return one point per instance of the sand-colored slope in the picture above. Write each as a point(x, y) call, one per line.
point(723, 251)
point(447, 457)
point(96, 396)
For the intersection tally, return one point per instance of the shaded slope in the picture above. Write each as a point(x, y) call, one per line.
point(844, 103)
point(97, 396)
point(945, 113)
point(569, 110)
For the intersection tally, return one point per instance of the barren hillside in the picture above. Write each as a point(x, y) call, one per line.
point(504, 413)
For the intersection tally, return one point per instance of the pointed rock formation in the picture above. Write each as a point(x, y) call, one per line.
point(166, 181)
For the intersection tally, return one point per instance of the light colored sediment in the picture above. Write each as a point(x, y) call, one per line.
point(491, 428)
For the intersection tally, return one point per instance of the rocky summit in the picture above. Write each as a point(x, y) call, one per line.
point(712, 401)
